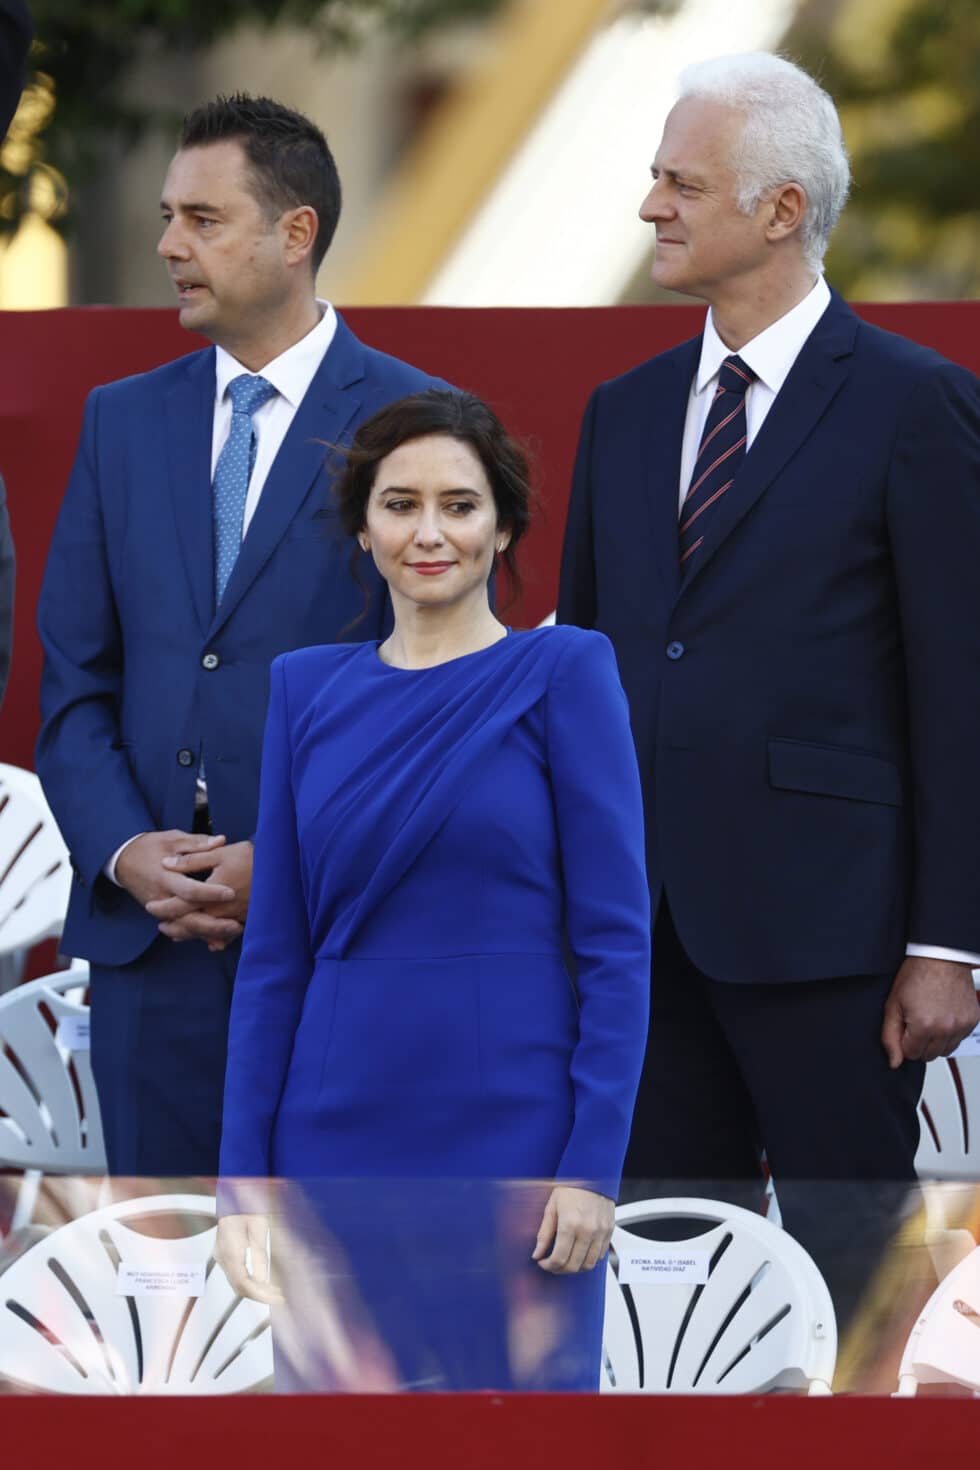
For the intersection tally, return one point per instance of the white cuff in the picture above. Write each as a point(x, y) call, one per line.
point(110, 867)
point(937, 952)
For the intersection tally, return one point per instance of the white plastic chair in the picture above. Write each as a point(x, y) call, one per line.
point(35, 871)
point(763, 1321)
point(70, 1324)
point(47, 1092)
point(944, 1344)
point(49, 1110)
point(949, 1120)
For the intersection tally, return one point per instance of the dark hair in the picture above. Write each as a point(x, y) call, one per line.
point(289, 159)
point(457, 415)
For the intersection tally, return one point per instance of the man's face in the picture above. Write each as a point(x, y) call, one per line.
point(224, 255)
point(704, 242)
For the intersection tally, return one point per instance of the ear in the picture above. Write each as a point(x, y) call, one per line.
point(503, 539)
point(784, 211)
point(363, 541)
point(299, 227)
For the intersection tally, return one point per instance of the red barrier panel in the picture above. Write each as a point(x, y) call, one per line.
point(537, 367)
point(477, 1432)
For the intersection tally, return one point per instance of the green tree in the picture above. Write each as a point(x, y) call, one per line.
point(910, 107)
point(76, 99)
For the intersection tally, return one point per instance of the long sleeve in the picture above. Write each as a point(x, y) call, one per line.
point(599, 809)
point(934, 523)
point(576, 589)
point(80, 758)
point(277, 961)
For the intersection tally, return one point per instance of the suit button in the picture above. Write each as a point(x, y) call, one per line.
point(185, 757)
point(675, 650)
point(210, 661)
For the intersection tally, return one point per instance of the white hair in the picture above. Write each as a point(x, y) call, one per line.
point(791, 135)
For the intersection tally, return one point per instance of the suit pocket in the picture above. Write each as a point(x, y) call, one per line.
point(321, 525)
point(829, 770)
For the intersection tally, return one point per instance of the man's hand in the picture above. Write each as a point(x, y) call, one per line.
point(200, 916)
point(140, 868)
point(931, 1007)
point(577, 1224)
point(241, 1249)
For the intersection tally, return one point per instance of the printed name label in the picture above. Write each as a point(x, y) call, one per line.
point(970, 1045)
point(160, 1280)
point(663, 1264)
point(73, 1033)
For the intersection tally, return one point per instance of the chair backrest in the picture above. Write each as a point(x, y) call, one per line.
point(129, 1300)
point(35, 870)
point(49, 1110)
point(944, 1344)
point(949, 1120)
point(763, 1319)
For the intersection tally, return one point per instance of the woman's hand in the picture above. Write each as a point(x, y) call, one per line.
point(577, 1224)
point(250, 1275)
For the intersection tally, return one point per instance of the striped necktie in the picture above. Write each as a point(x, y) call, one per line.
point(720, 454)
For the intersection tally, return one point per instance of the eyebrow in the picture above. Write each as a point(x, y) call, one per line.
point(192, 207)
point(414, 490)
point(677, 173)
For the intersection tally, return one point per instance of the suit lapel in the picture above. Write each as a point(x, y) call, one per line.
point(328, 406)
point(189, 414)
point(814, 381)
point(666, 410)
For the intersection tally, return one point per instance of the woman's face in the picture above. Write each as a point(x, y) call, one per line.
point(431, 522)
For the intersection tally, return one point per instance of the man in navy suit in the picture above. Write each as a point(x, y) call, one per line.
point(158, 630)
point(778, 526)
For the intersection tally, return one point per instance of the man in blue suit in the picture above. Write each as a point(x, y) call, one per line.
point(197, 540)
point(778, 526)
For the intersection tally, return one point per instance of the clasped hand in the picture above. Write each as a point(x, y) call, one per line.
point(159, 870)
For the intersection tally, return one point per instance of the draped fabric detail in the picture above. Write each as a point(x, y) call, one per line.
point(384, 805)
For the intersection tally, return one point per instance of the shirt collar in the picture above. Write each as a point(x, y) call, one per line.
point(291, 373)
point(773, 352)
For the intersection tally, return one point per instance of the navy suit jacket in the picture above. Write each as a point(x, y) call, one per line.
point(806, 708)
point(130, 697)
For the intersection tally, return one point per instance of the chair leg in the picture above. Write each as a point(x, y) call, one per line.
point(11, 969)
point(26, 1199)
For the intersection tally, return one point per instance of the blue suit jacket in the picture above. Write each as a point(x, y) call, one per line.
point(127, 615)
point(807, 707)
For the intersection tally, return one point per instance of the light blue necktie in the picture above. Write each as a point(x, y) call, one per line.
point(232, 474)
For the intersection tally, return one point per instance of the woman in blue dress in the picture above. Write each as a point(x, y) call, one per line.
point(449, 822)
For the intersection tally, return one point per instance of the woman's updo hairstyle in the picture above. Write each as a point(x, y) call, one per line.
point(457, 415)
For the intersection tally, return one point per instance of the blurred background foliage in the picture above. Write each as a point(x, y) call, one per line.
point(906, 77)
point(77, 100)
point(905, 74)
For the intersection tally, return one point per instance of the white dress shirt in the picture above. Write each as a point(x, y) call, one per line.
point(770, 355)
point(291, 374)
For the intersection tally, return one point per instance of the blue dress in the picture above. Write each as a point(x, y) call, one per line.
point(433, 847)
